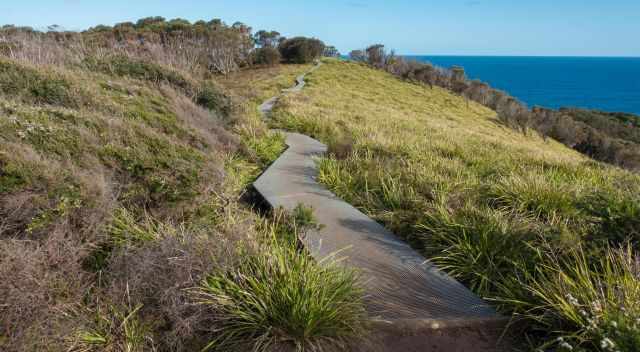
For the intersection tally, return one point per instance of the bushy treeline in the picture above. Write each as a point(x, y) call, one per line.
point(616, 124)
point(211, 45)
point(199, 47)
point(607, 137)
point(273, 48)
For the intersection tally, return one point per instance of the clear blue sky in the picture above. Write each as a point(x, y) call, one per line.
point(459, 27)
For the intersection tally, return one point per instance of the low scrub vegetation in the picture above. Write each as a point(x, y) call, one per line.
point(123, 158)
point(520, 219)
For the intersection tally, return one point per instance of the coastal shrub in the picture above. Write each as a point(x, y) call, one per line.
point(210, 96)
point(301, 50)
point(34, 86)
point(114, 200)
point(125, 66)
point(203, 46)
point(268, 56)
point(161, 171)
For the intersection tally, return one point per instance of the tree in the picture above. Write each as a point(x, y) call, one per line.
point(301, 50)
point(458, 79)
point(331, 51)
point(150, 21)
point(376, 55)
point(178, 24)
point(266, 56)
point(100, 28)
point(426, 74)
point(358, 55)
point(265, 39)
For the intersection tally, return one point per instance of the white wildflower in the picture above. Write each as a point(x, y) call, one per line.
point(566, 346)
point(607, 344)
point(572, 300)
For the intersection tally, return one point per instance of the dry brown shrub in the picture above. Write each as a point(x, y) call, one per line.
point(40, 284)
point(209, 126)
point(160, 274)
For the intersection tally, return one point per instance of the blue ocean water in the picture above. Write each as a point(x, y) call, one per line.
point(609, 84)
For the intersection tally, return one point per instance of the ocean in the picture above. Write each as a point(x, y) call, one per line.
point(608, 84)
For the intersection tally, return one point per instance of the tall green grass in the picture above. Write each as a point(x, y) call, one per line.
point(114, 329)
point(280, 297)
point(592, 305)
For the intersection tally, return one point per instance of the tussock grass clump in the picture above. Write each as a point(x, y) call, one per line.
point(484, 248)
point(281, 297)
point(593, 305)
point(117, 329)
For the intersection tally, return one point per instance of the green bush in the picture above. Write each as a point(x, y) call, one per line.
point(266, 56)
point(124, 66)
point(12, 175)
point(35, 86)
point(212, 97)
point(267, 147)
point(159, 171)
point(301, 50)
point(617, 215)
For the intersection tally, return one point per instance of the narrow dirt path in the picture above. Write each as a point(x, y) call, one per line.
point(413, 303)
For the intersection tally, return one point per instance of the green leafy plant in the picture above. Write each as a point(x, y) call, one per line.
point(279, 296)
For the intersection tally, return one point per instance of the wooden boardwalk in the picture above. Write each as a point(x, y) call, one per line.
point(402, 287)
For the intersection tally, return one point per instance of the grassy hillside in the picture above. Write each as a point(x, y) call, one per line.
point(523, 221)
point(120, 219)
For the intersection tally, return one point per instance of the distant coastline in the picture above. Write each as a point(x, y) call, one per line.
point(602, 83)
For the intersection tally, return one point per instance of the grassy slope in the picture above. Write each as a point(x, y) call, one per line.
point(445, 174)
point(118, 193)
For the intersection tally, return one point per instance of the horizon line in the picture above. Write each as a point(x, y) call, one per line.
point(521, 55)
